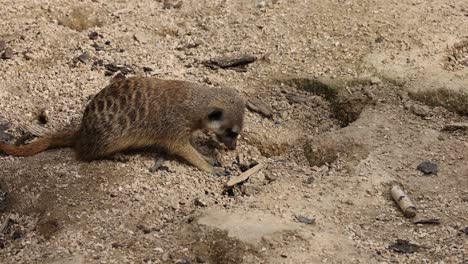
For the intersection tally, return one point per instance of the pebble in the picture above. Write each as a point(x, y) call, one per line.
point(404, 247)
point(420, 110)
point(159, 250)
point(93, 35)
point(84, 57)
point(7, 54)
point(305, 220)
point(200, 259)
point(428, 168)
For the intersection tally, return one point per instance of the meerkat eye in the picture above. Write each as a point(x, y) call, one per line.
point(215, 115)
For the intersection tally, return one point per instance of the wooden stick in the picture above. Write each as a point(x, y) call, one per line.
point(405, 204)
point(245, 175)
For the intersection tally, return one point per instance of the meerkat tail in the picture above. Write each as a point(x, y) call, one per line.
point(58, 140)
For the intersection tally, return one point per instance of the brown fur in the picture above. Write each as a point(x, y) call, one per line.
point(138, 112)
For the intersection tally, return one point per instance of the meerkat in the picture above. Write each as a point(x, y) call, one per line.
point(141, 111)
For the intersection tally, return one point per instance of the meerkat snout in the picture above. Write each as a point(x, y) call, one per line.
point(225, 126)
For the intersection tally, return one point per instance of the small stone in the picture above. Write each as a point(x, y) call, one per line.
point(117, 245)
point(16, 235)
point(294, 98)
point(284, 255)
point(199, 202)
point(465, 230)
point(404, 247)
point(428, 168)
point(200, 259)
point(84, 57)
point(379, 39)
point(261, 4)
point(93, 35)
point(305, 220)
point(310, 180)
point(429, 221)
point(147, 69)
point(140, 37)
point(7, 54)
point(420, 110)
point(97, 47)
point(43, 116)
point(159, 250)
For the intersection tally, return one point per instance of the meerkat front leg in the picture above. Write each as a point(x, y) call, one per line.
point(190, 154)
point(212, 161)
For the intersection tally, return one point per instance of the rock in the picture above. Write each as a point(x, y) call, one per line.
point(16, 235)
point(404, 247)
point(84, 57)
point(428, 221)
point(97, 47)
point(428, 168)
point(43, 116)
point(310, 180)
point(140, 37)
point(379, 39)
point(7, 54)
point(159, 250)
point(420, 110)
point(465, 230)
point(200, 259)
point(293, 98)
point(147, 69)
point(305, 220)
point(93, 35)
point(199, 202)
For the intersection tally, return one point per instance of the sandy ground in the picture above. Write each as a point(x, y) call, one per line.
point(360, 91)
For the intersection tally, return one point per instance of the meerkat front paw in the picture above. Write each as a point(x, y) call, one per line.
point(219, 172)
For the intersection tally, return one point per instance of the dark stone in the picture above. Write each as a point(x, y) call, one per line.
point(84, 57)
point(93, 35)
point(379, 39)
point(200, 259)
point(428, 168)
point(16, 235)
point(147, 69)
point(404, 247)
point(305, 220)
point(7, 54)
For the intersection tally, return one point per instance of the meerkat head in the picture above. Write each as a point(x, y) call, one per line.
point(226, 123)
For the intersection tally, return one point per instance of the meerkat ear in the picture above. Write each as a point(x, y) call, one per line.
point(215, 114)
